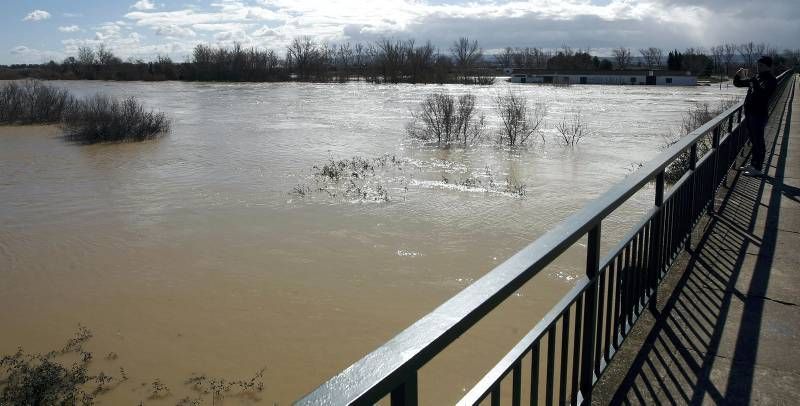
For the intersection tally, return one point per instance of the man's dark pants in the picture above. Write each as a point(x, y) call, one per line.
point(755, 132)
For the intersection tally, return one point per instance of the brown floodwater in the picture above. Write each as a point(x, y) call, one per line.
point(190, 254)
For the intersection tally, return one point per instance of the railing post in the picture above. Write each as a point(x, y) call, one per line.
point(656, 233)
point(715, 151)
point(692, 184)
point(406, 394)
point(590, 314)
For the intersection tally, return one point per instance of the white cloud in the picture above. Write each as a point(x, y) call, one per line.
point(20, 49)
point(69, 28)
point(599, 24)
point(143, 5)
point(175, 31)
point(37, 15)
point(25, 54)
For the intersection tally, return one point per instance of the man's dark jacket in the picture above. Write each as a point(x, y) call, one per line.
point(761, 86)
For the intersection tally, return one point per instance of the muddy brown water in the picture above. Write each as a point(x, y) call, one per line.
point(190, 255)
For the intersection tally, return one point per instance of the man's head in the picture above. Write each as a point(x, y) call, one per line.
point(764, 64)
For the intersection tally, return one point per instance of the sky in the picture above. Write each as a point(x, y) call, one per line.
point(36, 31)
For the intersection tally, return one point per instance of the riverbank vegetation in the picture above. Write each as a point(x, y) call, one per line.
point(91, 120)
point(390, 61)
point(694, 117)
point(65, 376)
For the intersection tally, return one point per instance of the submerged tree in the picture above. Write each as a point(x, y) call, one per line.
point(519, 119)
point(447, 120)
point(572, 128)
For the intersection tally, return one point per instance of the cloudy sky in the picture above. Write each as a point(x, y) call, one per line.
point(34, 31)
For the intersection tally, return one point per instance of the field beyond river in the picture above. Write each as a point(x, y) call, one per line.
point(212, 251)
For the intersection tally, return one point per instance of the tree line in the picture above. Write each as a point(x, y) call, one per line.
point(389, 61)
point(717, 60)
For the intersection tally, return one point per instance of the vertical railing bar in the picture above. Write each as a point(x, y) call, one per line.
point(496, 394)
point(656, 243)
point(618, 306)
point(562, 381)
point(628, 290)
point(516, 386)
point(598, 350)
point(551, 354)
point(589, 312)
point(642, 271)
point(637, 275)
point(534, 400)
point(610, 305)
point(406, 394)
point(576, 350)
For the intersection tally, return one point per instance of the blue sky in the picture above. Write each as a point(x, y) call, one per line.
point(34, 31)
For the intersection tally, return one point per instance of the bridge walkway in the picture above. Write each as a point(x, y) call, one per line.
point(727, 329)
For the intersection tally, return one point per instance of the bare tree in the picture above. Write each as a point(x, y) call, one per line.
point(444, 118)
point(622, 56)
point(792, 57)
point(717, 56)
point(519, 120)
point(303, 54)
point(760, 50)
point(573, 128)
point(105, 56)
point(505, 58)
point(748, 53)
point(467, 54)
point(652, 56)
point(86, 56)
point(728, 53)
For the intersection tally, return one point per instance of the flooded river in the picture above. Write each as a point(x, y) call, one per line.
point(192, 255)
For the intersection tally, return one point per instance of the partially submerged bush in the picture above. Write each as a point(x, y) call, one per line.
point(32, 102)
point(695, 116)
point(519, 120)
point(447, 120)
point(103, 119)
point(572, 128)
point(45, 379)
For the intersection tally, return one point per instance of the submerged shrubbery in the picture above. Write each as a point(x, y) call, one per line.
point(49, 379)
point(64, 377)
point(88, 121)
point(519, 119)
point(697, 115)
point(103, 119)
point(32, 102)
point(445, 119)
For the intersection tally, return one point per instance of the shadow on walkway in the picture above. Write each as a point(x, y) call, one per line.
point(705, 341)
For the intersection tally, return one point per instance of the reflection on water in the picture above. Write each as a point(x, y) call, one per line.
point(189, 254)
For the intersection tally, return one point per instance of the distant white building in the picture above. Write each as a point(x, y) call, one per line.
point(635, 77)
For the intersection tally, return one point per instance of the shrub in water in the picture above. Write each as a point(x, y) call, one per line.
point(31, 102)
point(446, 119)
point(697, 115)
point(103, 119)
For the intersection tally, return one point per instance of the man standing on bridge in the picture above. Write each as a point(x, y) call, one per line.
point(756, 110)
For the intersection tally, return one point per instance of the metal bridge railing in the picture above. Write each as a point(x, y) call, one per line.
point(574, 342)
